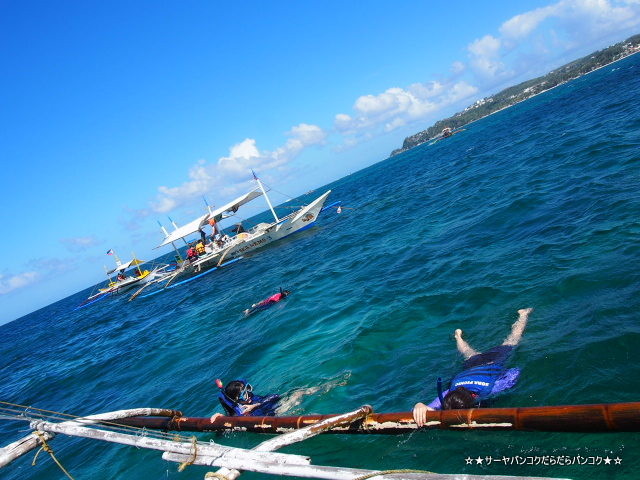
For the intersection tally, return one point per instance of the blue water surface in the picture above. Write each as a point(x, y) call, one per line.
point(534, 206)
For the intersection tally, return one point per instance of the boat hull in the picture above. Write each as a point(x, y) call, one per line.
point(266, 234)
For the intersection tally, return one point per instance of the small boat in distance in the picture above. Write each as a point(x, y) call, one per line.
point(127, 275)
point(446, 133)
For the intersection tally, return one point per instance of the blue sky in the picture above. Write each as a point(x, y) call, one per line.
point(116, 114)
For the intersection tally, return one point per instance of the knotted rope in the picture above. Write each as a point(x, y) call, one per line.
point(194, 444)
point(217, 475)
point(49, 450)
point(389, 472)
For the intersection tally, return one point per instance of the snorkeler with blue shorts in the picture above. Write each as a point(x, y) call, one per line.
point(483, 374)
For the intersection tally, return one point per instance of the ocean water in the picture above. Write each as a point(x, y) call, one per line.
point(535, 206)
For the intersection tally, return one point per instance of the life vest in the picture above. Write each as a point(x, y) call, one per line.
point(234, 408)
point(272, 299)
point(478, 380)
point(200, 248)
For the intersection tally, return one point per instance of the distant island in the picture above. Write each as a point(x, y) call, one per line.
point(512, 95)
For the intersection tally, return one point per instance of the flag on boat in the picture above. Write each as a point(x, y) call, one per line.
point(254, 174)
point(110, 251)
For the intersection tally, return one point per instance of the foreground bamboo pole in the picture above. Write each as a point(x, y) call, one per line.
point(317, 471)
point(18, 448)
point(235, 456)
point(614, 417)
point(302, 434)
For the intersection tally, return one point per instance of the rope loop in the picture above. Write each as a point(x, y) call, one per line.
point(49, 450)
point(194, 444)
point(389, 472)
point(217, 475)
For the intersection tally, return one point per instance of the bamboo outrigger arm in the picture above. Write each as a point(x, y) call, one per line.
point(232, 460)
point(611, 417)
point(18, 448)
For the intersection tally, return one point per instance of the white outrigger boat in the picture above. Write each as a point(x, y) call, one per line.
point(229, 249)
point(124, 280)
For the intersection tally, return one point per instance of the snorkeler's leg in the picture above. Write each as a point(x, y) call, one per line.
point(463, 347)
point(517, 329)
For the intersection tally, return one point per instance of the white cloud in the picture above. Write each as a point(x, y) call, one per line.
point(524, 44)
point(522, 25)
point(487, 46)
point(38, 270)
point(485, 56)
point(578, 19)
point(532, 39)
point(229, 174)
point(79, 244)
point(592, 19)
point(397, 107)
point(14, 282)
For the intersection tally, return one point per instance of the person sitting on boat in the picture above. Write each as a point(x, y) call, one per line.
point(483, 374)
point(200, 250)
point(267, 302)
point(446, 132)
point(121, 276)
point(237, 399)
point(192, 254)
point(238, 228)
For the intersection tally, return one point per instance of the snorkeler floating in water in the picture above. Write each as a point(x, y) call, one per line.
point(267, 302)
point(484, 374)
point(237, 399)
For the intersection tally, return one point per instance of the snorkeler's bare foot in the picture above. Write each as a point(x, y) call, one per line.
point(463, 347)
point(517, 329)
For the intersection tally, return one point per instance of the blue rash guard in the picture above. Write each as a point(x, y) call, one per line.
point(484, 374)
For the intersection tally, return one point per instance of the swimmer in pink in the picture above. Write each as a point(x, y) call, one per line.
point(267, 302)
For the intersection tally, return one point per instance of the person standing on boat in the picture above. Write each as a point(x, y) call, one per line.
point(483, 374)
point(214, 229)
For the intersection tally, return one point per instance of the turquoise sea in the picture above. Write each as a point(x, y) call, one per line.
point(534, 206)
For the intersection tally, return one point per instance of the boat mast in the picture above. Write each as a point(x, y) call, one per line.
point(266, 197)
point(207, 204)
point(117, 258)
point(166, 234)
point(176, 227)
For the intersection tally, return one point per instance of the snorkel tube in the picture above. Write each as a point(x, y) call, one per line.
point(440, 397)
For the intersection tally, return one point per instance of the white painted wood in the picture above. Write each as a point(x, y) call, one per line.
point(298, 436)
point(16, 449)
point(213, 449)
point(336, 473)
point(32, 441)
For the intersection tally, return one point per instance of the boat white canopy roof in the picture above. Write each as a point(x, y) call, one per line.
point(218, 214)
point(123, 266)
